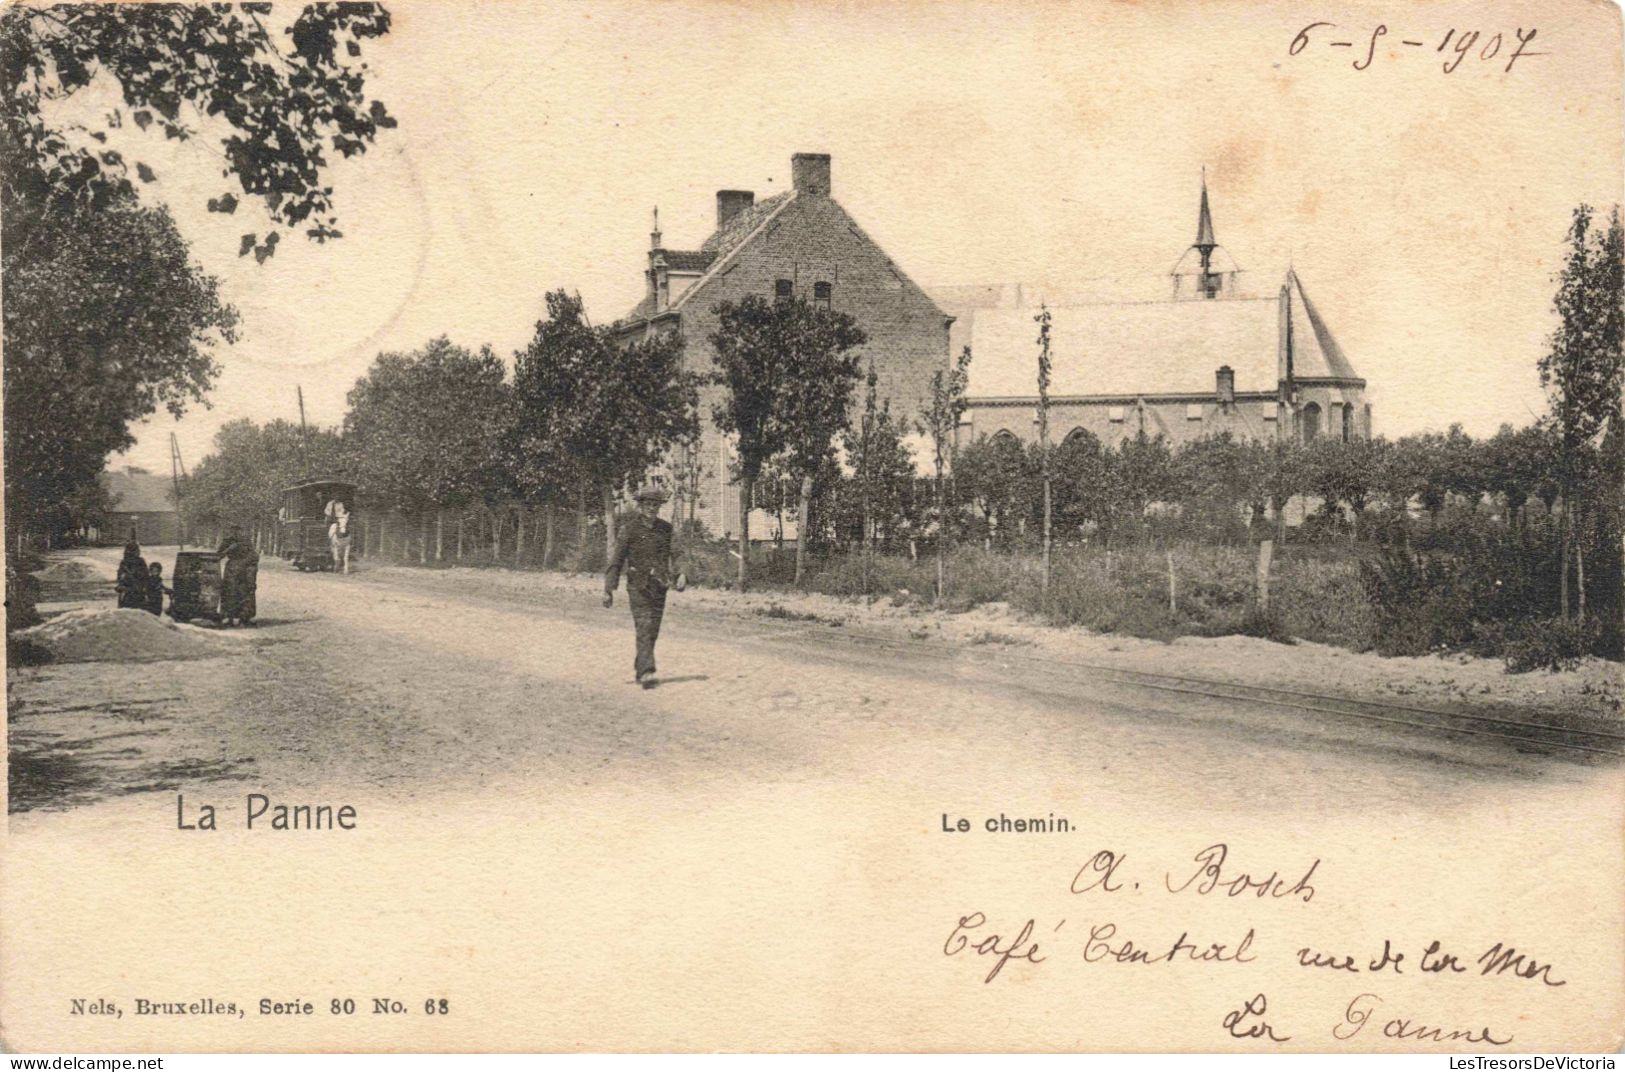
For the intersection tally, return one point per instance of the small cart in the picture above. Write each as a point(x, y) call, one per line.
point(196, 586)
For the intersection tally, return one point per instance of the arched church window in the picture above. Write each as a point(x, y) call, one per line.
point(822, 293)
point(783, 290)
point(1348, 423)
point(1311, 422)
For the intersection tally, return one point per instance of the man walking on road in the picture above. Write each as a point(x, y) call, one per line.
point(643, 549)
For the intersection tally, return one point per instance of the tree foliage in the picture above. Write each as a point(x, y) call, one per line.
point(590, 413)
point(279, 103)
point(426, 427)
point(787, 372)
point(242, 479)
point(106, 322)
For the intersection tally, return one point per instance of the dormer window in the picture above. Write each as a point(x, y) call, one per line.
point(783, 290)
point(821, 294)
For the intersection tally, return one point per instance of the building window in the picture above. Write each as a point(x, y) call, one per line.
point(1348, 423)
point(821, 294)
point(1115, 414)
point(783, 290)
point(1311, 422)
point(1193, 411)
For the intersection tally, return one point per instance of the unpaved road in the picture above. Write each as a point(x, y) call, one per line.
point(398, 680)
point(750, 854)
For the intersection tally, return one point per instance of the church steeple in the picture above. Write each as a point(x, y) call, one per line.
point(1204, 224)
point(1209, 281)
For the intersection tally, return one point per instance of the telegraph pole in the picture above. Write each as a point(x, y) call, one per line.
point(304, 437)
point(177, 473)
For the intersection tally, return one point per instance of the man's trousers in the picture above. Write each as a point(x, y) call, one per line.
point(648, 607)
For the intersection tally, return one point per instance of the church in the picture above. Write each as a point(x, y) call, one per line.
point(1208, 359)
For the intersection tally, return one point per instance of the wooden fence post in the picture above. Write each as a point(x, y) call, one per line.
point(1266, 551)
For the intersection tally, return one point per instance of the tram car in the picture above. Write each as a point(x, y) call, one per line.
point(304, 519)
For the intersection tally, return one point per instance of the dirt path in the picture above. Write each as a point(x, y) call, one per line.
point(750, 856)
point(401, 680)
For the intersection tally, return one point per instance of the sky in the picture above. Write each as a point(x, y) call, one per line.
point(1006, 142)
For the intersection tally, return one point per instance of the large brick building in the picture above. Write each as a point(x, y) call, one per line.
point(1210, 359)
point(797, 244)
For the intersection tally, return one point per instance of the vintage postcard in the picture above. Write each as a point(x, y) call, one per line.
point(800, 526)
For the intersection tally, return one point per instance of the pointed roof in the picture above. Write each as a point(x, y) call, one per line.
point(714, 251)
point(1315, 354)
point(1204, 220)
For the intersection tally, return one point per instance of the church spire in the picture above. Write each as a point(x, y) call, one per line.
point(1204, 226)
point(654, 235)
point(1208, 282)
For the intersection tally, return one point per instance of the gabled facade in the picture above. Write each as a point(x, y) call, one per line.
point(141, 506)
point(1207, 361)
point(797, 244)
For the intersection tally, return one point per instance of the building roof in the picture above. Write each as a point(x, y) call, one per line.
point(1128, 349)
point(135, 491)
point(689, 260)
point(726, 238)
point(1314, 352)
point(713, 251)
point(1204, 221)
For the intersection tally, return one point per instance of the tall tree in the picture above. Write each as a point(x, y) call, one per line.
point(777, 363)
point(594, 413)
point(1583, 371)
point(1043, 321)
point(939, 418)
point(104, 324)
point(877, 500)
point(106, 318)
point(426, 427)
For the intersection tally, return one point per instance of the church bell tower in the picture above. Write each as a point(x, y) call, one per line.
point(1207, 279)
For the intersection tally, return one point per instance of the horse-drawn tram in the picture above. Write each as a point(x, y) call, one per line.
point(308, 516)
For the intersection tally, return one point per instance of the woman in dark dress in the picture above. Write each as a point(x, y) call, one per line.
point(131, 586)
point(238, 579)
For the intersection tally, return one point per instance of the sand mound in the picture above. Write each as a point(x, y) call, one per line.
point(68, 569)
point(120, 635)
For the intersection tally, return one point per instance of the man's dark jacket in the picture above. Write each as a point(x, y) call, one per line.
point(643, 551)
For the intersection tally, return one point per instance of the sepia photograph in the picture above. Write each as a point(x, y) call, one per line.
point(813, 527)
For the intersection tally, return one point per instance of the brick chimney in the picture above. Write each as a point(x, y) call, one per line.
point(731, 203)
point(810, 173)
point(1225, 386)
